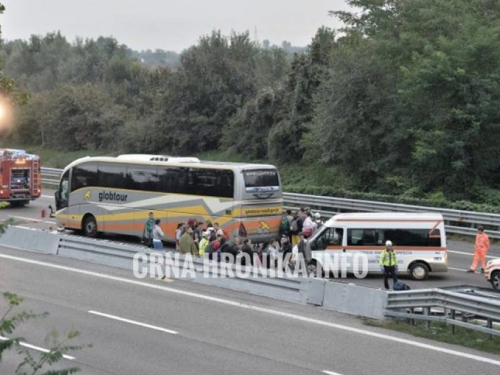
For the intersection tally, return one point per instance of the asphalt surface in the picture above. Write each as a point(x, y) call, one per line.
point(180, 328)
point(460, 252)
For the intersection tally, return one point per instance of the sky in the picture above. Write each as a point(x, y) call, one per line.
point(168, 24)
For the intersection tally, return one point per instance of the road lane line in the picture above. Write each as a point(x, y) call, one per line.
point(43, 350)
point(133, 322)
point(32, 219)
point(47, 196)
point(457, 269)
point(468, 254)
point(263, 310)
point(330, 373)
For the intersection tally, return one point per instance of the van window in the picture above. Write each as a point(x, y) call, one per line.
point(329, 237)
point(362, 237)
point(399, 237)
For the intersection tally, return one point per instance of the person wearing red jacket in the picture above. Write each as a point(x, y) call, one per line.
point(480, 250)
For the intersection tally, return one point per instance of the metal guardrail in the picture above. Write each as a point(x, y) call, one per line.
point(51, 176)
point(329, 206)
point(121, 255)
point(454, 304)
point(464, 301)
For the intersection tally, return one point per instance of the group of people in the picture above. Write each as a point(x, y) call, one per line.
point(199, 238)
point(300, 223)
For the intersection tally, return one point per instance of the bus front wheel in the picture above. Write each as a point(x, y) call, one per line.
point(90, 226)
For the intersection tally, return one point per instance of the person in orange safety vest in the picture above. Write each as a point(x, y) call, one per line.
point(480, 250)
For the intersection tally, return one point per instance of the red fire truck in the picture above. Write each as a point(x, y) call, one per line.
point(20, 177)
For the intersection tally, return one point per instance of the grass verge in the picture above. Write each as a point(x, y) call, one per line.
point(442, 332)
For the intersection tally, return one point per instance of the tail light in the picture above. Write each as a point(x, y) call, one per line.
point(242, 232)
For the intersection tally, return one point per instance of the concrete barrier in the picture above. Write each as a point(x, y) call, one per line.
point(30, 239)
point(355, 299)
point(343, 297)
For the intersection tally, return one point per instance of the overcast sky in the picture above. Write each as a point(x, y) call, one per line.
point(168, 24)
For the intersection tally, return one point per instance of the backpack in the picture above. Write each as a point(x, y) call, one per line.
point(285, 225)
point(294, 227)
point(398, 285)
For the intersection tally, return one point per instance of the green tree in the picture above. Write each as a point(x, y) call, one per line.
point(57, 347)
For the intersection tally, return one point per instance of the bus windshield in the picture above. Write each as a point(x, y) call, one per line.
point(261, 180)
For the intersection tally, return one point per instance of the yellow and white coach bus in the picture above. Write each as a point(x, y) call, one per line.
point(116, 195)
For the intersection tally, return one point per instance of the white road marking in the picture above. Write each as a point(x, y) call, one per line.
point(468, 254)
point(43, 350)
point(47, 196)
point(264, 310)
point(133, 322)
point(32, 219)
point(330, 373)
point(457, 269)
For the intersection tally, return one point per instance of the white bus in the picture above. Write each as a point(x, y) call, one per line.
point(116, 195)
point(419, 240)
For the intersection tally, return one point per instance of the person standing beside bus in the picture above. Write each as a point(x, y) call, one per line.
point(480, 250)
point(158, 235)
point(148, 230)
point(308, 226)
point(186, 243)
point(218, 230)
point(203, 244)
point(389, 264)
point(178, 233)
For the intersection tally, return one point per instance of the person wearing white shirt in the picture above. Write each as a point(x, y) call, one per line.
point(308, 226)
point(158, 235)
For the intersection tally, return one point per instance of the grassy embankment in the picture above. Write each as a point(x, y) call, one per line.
point(442, 332)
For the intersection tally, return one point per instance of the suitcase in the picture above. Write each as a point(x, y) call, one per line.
point(398, 285)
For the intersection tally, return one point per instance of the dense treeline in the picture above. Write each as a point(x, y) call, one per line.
point(402, 101)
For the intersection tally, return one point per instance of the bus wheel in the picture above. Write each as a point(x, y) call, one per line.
point(90, 226)
point(419, 271)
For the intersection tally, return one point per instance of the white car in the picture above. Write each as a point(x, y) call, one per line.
point(492, 273)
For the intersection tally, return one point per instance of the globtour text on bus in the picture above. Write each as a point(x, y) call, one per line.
point(112, 196)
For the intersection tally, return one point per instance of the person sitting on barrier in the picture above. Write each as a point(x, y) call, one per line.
point(286, 248)
point(303, 249)
point(247, 249)
point(158, 235)
point(234, 246)
point(389, 264)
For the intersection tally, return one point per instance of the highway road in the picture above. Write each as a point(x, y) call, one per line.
point(181, 328)
point(460, 253)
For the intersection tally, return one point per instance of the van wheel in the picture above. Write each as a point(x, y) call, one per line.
point(90, 227)
point(495, 280)
point(314, 269)
point(419, 271)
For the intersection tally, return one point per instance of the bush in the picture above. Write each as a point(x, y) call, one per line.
point(441, 203)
